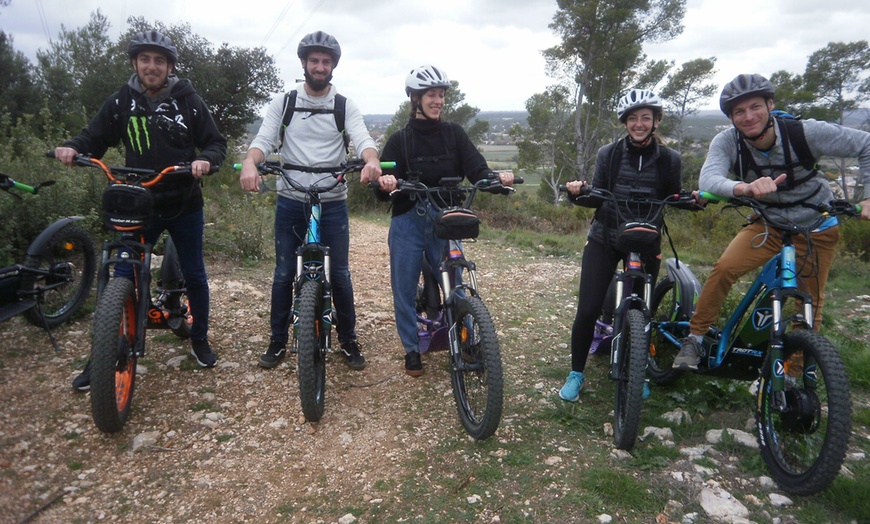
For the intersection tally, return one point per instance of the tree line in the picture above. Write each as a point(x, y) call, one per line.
point(601, 56)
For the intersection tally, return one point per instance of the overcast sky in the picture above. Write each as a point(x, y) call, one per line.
point(492, 47)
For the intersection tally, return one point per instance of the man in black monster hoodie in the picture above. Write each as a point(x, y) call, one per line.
point(162, 122)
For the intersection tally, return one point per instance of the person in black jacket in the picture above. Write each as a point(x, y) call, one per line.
point(637, 169)
point(162, 122)
point(429, 149)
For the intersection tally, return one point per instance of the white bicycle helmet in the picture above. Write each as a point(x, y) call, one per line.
point(636, 99)
point(426, 77)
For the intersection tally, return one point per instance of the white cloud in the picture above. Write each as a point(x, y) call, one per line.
point(492, 47)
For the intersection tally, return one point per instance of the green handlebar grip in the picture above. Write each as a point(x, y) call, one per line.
point(24, 187)
point(388, 165)
point(710, 196)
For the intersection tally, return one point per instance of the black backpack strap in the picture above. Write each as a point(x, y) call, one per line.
point(791, 132)
point(338, 111)
point(289, 109)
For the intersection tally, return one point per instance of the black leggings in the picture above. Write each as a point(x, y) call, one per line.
point(596, 273)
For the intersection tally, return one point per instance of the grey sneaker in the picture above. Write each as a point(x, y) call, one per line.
point(274, 355)
point(690, 354)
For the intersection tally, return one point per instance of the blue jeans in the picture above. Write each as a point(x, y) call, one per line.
point(412, 237)
point(291, 224)
point(186, 232)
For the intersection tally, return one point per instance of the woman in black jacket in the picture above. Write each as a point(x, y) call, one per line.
point(635, 165)
point(429, 149)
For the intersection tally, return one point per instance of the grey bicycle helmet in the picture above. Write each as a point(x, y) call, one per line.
point(425, 77)
point(637, 99)
point(743, 86)
point(153, 40)
point(319, 41)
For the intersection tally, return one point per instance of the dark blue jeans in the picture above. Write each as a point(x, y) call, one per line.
point(291, 223)
point(186, 231)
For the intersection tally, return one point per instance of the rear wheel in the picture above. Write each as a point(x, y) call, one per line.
point(180, 320)
point(476, 371)
point(629, 386)
point(113, 363)
point(662, 350)
point(804, 446)
point(311, 356)
point(70, 263)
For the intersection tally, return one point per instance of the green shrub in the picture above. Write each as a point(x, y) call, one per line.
point(855, 238)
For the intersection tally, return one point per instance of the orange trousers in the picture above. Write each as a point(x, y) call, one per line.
point(751, 248)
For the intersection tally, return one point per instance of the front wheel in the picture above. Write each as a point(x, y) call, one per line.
point(113, 362)
point(632, 353)
point(311, 356)
point(177, 305)
point(665, 312)
point(805, 444)
point(69, 263)
point(476, 372)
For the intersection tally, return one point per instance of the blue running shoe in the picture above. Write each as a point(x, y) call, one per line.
point(573, 384)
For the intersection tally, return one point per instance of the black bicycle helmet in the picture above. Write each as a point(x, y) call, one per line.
point(319, 41)
point(637, 99)
point(743, 86)
point(153, 40)
point(426, 77)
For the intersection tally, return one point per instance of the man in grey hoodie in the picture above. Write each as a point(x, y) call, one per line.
point(162, 121)
point(768, 173)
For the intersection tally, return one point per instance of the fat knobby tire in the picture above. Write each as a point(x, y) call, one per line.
point(629, 388)
point(805, 446)
point(68, 255)
point(113, 365)
point(311, 356)
point(479, 393)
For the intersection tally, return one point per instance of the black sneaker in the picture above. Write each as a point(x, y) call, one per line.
point(413, 364)
point(201, 351)
point(83, 381)
point(352, 355)
point(274, 354)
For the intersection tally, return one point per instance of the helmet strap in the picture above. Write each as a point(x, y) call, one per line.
point(418, 109)
point(763, 131)
point(316, 85)
point(646, 140)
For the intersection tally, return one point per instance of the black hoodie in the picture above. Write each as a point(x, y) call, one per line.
point(157, 132)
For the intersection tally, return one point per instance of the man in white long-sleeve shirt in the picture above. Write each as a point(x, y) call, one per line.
point(310, 143)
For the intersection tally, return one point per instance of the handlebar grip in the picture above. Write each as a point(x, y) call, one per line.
point(49, 154)
point(711, 197)
point(519, 180)
point(388, 165)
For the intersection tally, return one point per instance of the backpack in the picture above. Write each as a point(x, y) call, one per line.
point(338, 111)
point(791, 130)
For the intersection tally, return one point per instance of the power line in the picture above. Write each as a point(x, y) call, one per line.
point(43, 20)
point(294, 33)
point(277, 22)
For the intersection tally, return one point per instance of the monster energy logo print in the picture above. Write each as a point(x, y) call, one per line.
point(137, 132)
